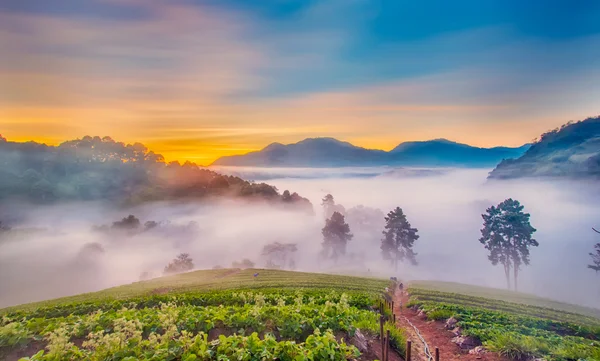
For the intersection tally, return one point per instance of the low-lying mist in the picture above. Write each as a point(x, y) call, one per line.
point(56, 251)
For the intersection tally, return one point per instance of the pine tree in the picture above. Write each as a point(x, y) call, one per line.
point(336, 235)
point(398, 238)
point(595, 257)
point(507, 234)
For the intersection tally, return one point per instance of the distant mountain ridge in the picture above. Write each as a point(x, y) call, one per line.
point(571, 151)
point(330, 152)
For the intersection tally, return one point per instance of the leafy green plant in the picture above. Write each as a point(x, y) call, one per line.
point(439, 314)
point(517, 347)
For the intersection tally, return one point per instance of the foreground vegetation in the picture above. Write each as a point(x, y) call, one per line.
point(515, 330)
point(282, 315)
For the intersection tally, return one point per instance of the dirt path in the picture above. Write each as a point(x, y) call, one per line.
point(434, 333)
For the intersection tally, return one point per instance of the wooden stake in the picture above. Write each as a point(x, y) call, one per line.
point(387, 346)
point(392, 306)
point(437, 354)
point(381, 334)
point(408, 353)
point(394, 318)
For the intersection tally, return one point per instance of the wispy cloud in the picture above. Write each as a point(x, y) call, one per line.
point(199, 81)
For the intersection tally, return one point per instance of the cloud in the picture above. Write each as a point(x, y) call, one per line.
point(209, 76)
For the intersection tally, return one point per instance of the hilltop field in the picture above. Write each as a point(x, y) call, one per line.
point(234, 314)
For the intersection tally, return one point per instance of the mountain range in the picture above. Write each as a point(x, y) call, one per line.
point(330, 152)
point(571, 151)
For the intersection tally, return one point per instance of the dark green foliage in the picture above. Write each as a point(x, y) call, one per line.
point(398, 238)
point(507, 235)
point(94, 168)
point(336, 235)
point(439, 314)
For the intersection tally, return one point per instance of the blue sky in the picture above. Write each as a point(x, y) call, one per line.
point(197, 79)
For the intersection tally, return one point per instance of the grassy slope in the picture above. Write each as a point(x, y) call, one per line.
point(205, 280)
point(468, 295)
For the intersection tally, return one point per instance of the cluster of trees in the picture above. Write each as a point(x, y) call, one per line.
point(280, 255)
point(182, 263)
point(398, 235)
point(131, 225)
point(94, 168)
point(507, 234)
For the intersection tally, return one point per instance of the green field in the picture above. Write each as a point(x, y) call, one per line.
point(231, 314)
point(518, 326)
point(503, 295)
point(202, 315)
point(222, 279)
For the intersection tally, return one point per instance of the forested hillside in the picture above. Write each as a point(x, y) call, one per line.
point(94, 168)
point(571, 151)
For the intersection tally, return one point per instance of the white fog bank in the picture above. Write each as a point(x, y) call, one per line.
point(446, 207)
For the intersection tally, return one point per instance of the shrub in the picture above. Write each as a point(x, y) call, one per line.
point(439, 315)
point(517, 347)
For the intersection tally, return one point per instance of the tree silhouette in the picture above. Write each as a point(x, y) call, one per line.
point(329, 206)
point(279, 255)
point(398, 238)
point(507, 234)
point(595, 256)
point(128, 223)
point(245, 263)
point(336, 235)
point(182, 263)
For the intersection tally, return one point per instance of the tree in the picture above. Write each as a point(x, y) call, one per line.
point(329, 206)
point(336, 235)
point(182, 263)
point(279, 255)
point(595, 256)
point(507, 235)
point(127, 223)
point(245, 263)
point(398, 238)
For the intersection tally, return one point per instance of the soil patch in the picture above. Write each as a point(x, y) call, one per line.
point(434, 333)
point(15, 353)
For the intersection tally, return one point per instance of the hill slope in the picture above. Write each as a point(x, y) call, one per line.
point(94, 168)
point(572, 151)
point(329, 152)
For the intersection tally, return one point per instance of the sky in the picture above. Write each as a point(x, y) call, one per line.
point(195, 80)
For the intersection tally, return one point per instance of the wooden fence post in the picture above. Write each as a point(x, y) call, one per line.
point(437, 354)
point(387, 346)
point(394, 318)
point(408, 353)
point(382, 334)
point(392, 306)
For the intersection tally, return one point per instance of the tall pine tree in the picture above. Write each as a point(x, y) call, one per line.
point(507, 234)
point(398, 239)
point(595, 257)
point(336, 235)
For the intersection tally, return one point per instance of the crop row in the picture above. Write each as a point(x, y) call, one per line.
point(290, 325)
point(515, 308)
point(521, 337)
point(359, 300)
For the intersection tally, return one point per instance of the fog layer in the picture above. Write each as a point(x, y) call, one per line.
point(446, 208)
